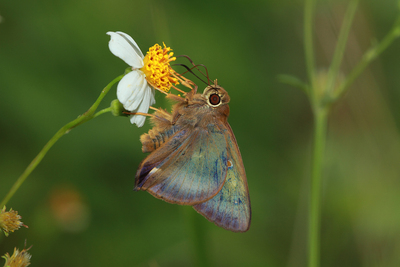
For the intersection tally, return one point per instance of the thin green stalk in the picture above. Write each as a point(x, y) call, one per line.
point(88, 115)
point(308, 39)
point(369, 56)
point(341, 45)
point(320, 127)
point(102, 112)
point(319, 138)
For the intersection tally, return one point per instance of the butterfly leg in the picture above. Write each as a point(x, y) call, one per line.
point(184, 81)
point(139, 113)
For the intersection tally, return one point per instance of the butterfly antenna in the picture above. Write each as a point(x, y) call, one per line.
point(196, 66)
point(189, 70)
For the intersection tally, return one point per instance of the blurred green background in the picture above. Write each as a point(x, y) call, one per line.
point(79, 203)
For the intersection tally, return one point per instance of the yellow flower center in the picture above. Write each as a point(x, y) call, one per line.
point(157, 68)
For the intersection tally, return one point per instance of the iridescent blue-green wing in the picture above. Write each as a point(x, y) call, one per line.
point(188, 169)
point(230, 208)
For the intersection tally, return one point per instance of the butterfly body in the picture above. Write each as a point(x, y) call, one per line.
point(195, 159)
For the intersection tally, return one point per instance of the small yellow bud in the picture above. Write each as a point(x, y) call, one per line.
point(18, 259)
point(10, 221)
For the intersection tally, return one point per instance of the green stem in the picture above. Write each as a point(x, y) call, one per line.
point(102, 112)
point(368, 57)
point(308, 40)
point(319, 138)
point(320, 127)
point(88, 115)
point(341, 45)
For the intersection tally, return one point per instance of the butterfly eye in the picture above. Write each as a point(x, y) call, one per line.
point(214, 99)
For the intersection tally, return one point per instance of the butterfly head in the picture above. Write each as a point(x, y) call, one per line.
point(215, 95)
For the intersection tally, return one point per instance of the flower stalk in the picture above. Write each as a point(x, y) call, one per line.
point(308, 39)
point(369, 56)
point(320, 127)
point(88, 115)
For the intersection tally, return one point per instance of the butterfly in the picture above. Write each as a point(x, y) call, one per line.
point(195, 159)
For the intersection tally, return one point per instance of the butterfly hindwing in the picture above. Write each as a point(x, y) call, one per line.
point(189, 168)
point(230, 208)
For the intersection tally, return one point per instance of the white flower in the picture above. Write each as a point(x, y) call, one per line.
point(133, 91)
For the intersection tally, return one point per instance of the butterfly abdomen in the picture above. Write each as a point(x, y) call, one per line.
point(154, 139)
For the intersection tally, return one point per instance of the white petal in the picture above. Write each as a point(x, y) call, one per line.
point(138, 120)
point(148, 98)
point(144, 108)
point(133, 43)
point(147, 94)
point(152, 99)
point(129, 88)
point(137, 97)
point(124, 47)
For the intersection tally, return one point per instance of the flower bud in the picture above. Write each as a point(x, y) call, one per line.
point(117, 109)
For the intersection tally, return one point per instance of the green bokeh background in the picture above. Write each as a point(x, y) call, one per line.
point(54, 61)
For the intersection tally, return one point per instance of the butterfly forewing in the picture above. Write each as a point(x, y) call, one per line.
point(188, 169)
